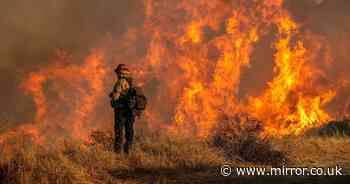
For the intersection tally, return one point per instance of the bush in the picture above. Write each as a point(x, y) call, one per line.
point(239, 138)
point(335, 128)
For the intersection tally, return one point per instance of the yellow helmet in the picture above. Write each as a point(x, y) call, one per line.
point(122, 70)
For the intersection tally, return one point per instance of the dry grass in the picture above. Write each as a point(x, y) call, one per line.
point(317, 151)
point(160, 158)
point(152, 159)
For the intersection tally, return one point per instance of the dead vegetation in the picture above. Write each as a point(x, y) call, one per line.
point(164, 159)
point(71, 162)
point(238, 137)
point(335, 128)
point(317, 151)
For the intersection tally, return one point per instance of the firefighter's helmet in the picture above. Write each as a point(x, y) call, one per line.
point(122, 70)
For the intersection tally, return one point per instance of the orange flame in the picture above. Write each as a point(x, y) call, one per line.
point(195, 56)
point(210, 85)
point(78, 89)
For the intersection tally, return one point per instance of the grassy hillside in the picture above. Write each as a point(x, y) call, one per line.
point(153, 159)
point(160, 158)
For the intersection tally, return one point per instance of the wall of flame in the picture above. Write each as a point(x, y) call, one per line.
point(190, 56)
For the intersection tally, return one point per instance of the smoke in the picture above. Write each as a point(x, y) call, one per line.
point(329, 19)
point(32, 32)
point(317, 2)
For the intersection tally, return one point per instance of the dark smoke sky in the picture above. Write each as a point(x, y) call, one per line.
point(30, 32)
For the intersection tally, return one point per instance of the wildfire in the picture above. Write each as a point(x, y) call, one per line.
point(210, 85)
point(192, 71)
point(285, 107)
point(77, 89)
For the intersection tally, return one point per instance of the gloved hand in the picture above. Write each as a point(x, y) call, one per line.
point(112, 103)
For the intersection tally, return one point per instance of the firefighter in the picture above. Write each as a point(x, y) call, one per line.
point(123, 113)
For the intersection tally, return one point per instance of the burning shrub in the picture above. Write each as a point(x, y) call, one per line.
point(239, 138)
